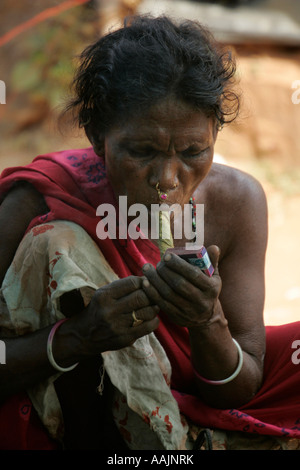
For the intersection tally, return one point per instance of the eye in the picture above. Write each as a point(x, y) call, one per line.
point(194, 153)
point(143, 152)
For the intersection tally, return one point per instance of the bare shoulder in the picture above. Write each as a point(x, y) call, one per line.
point(228, 185)
point(24, 198)
point(21, 204)
point(235, 208)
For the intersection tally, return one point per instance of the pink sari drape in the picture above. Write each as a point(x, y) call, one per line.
point(74, 184)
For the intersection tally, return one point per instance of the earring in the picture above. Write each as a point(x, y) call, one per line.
point(193, 206)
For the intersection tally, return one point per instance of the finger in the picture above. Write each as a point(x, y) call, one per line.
point(133, 301)
point(130, 334)
point(177, 282)
point(172, 312)
point(144, 314)
point(122, 287)
point(164, 304)
point(149, 322)
point(143, 329)
point(192, 273)
point(162, 287)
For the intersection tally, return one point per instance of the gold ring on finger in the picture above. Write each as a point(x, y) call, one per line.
point(136, 321)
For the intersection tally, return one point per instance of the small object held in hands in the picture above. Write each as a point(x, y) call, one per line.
point(198, 258)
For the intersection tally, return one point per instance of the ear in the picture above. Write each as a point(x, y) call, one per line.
point(216, 127)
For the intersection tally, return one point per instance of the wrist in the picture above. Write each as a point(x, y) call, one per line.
point(217, 319)
point(51, 359)
point(229, 378)
point(63, 345)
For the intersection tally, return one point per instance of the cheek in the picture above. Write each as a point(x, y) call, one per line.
point(115, 171)
point(198, 172)
point(118, 179)
point(125, 178)
point(204, 166)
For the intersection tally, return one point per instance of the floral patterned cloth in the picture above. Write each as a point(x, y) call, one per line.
point(74, 183)
point(60, 257)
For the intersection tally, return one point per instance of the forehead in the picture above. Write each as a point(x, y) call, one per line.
point(169, 119)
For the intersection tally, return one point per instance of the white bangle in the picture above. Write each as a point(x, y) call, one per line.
point(231, 377)
point(49, 349)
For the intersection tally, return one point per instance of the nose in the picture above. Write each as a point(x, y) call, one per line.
point(166, 173)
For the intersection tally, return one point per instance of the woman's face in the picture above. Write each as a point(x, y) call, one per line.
point(171, 144)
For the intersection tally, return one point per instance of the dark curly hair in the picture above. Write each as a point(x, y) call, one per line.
point(145, 61)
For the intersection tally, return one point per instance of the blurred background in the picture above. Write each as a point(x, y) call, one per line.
point(39, 43)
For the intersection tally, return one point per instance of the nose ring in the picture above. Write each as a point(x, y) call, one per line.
point(163, 195)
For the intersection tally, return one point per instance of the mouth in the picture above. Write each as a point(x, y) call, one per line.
point(175, 197)
point(165, 203)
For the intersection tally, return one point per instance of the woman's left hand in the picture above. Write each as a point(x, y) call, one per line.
point(182, 291)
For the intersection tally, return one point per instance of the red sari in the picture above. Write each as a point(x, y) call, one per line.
point(74, 184)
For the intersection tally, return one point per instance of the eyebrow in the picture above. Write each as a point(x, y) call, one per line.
point(147, 141)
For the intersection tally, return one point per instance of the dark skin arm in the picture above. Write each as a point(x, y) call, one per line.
point(106, 324)
point(236, 312)
point(22, 204)
point(228, 305)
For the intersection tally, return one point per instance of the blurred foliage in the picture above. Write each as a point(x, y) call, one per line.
point(48, 52)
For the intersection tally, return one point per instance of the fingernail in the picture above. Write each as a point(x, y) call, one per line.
point(146, 283)
point(146, 267)
point(167, 257)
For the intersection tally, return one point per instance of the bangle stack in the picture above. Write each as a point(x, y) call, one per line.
point(231, 377)
point(49, 349)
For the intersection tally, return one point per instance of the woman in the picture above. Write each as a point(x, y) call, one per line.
point(151, 97)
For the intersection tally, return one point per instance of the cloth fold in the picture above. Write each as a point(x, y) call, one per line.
point(74, 183)
point(60, 257)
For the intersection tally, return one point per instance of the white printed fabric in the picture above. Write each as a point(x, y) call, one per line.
point(59, 257)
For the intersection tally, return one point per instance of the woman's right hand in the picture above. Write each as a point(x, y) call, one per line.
point(107, 323)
